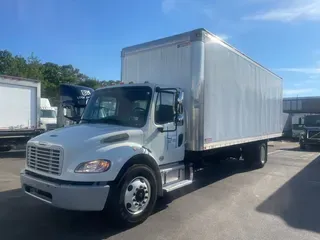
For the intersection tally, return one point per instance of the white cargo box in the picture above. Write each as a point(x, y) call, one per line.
point(229, 98)
point(19, 103)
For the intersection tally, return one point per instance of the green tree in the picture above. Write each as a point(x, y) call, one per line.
point(34, 68)
point(12, 65)
point(50, 74)
point(91, 83)
point(6, 62)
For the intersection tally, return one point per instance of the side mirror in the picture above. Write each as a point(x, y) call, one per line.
point(180, 97)
point(168, 127)
point(180, 119)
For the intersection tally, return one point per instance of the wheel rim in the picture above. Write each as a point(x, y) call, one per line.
point(263, 154)
point(137, 195)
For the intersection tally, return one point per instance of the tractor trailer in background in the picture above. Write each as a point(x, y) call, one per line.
point(19, 107)
point(193, 97)
point(310, 135)
point(298, 124)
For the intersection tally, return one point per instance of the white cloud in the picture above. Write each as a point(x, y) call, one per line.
point(168, 5)
point(295, 92)
point(300, 70)
point(295, 10)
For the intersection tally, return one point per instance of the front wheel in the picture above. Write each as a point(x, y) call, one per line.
point(133, 199)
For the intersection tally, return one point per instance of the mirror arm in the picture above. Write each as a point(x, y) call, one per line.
point(161, 129)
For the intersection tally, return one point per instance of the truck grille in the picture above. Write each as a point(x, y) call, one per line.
point(48, 160)
point(314, 134)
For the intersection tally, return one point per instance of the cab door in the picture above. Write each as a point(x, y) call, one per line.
point(169, 134)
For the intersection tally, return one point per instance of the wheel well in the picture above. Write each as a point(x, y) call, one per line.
point(146, 160)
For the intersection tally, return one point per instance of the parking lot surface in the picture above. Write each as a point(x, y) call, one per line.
point(280, 201)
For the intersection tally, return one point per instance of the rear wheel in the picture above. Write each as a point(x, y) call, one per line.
point(302, 146)
point(133, 199)
point(256, 155)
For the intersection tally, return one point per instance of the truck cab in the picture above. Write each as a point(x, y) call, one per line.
point(297, 125)
point(311, 133)
point(48, 115)
point(130, 138)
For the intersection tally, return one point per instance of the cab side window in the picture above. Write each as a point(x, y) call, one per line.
point(165, 108)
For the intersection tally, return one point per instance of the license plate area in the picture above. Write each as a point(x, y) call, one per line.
point(38, 193)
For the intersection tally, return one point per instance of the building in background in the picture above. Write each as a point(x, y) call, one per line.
point(301, 105)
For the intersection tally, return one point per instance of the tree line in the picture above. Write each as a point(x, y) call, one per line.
point(50, 74)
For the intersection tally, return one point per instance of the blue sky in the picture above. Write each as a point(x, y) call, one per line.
point(283, 35)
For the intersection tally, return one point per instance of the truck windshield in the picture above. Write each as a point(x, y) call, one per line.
point(313, 120)
point(126, 106)
point(45, 113)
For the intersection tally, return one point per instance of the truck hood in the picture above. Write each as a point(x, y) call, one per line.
point(86, 135)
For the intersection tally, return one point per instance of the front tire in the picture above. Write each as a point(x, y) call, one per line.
point(133, 199)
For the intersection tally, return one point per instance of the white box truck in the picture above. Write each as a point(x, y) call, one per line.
point(19, 107)
point(192, 95)
point(48, 115)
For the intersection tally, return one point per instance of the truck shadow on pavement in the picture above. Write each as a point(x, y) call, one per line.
point(298, 149)
point(297, 201)
point(22, 217)
point(208, 176)
point(13, 154)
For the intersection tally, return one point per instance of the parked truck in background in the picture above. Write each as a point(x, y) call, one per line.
point(310, 136)
point(192, 96)
point(73, 100)
point(19, 107)
point(48, 115)
point(298, 124)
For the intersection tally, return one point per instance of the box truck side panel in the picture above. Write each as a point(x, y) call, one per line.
point(169, 65)
point(242, 100)
point(19, 106)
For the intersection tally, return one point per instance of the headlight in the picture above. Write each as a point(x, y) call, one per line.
point(95, 166)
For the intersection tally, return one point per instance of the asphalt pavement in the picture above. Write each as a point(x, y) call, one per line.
point(280, 201)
